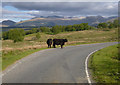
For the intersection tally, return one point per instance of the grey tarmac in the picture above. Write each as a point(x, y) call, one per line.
point(54, 65)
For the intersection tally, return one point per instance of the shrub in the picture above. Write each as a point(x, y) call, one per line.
point(5, 35)
point(16, 35)
point(38, 35)
point(34, 30)
point(56, 29)
point(44, 29)
point(102, 25)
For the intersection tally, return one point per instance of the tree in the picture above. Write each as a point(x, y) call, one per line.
point(34, 30)
point(86, 26)
point(80, 27)
point(111, 25)
point(28, 32)
point(92, 28)
point(69, 28)
point(116, 23)
point(44, 29)
point(56, 29)
point(5, 35)
point(102, 25)
point(16, 35)
point(62, 28)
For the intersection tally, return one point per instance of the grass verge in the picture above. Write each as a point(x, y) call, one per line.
point(104, 65)
point(12, 56)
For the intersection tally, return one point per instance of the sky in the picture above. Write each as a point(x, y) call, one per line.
point(60, 0)
point(18, 11)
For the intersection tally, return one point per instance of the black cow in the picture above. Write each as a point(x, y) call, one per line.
point(49, 42)
point(59, 42)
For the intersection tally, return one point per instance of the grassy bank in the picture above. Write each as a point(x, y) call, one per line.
point(13, 56)
point(104, 65)
point(87, 36)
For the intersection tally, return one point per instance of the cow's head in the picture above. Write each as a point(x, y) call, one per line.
point(65, 40)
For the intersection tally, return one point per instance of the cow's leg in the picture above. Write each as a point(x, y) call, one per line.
point(61, 46)
point(54, 45)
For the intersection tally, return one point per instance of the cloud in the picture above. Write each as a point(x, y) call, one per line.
point(5, 11)
point(60, 0)
point(65, 8)
point(3, 20)
point(17, 16)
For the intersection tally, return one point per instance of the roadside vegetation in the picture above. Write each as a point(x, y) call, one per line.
point(104, 65)
point(13, 56)
point(17, 42)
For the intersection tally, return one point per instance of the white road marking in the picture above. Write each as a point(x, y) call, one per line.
point(86, 67)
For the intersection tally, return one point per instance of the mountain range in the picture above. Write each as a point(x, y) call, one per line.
point(57, 20)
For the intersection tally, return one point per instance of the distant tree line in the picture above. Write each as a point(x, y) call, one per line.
point(109, 25)
point(59, 28)
point(18, 34)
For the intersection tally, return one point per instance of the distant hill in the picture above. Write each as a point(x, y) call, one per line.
point(8, 23)
point(55, 16)
point(57, 20)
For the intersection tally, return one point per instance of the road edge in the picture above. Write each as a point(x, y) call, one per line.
point(86, 66)
point(12, 66)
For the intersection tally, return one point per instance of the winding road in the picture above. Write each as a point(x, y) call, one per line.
point(54, 65)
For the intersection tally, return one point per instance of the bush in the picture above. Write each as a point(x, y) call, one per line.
point(16, 35)
point(5, 35)
point(56, 29)
point(28, 32)
point(116, 23)
point(111, 25)
point(102, 25)
point(44, 29)
point(34, 30)
point(38, 35)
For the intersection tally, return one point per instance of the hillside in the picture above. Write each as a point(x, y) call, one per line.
point(51, 21)
point(76, 37)
point(56, 20)
point(8, 23)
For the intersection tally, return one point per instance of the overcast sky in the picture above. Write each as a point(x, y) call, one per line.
point(17, 11)
point(60, 0)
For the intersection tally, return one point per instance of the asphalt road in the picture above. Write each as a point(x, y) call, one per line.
point(55, 65)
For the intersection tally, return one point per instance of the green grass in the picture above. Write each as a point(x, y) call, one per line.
point(13, 56)
point(104, 65)
point(0, 64)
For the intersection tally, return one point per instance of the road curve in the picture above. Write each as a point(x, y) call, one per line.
point(55, 65)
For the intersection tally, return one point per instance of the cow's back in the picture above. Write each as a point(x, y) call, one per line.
point(58, 41)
